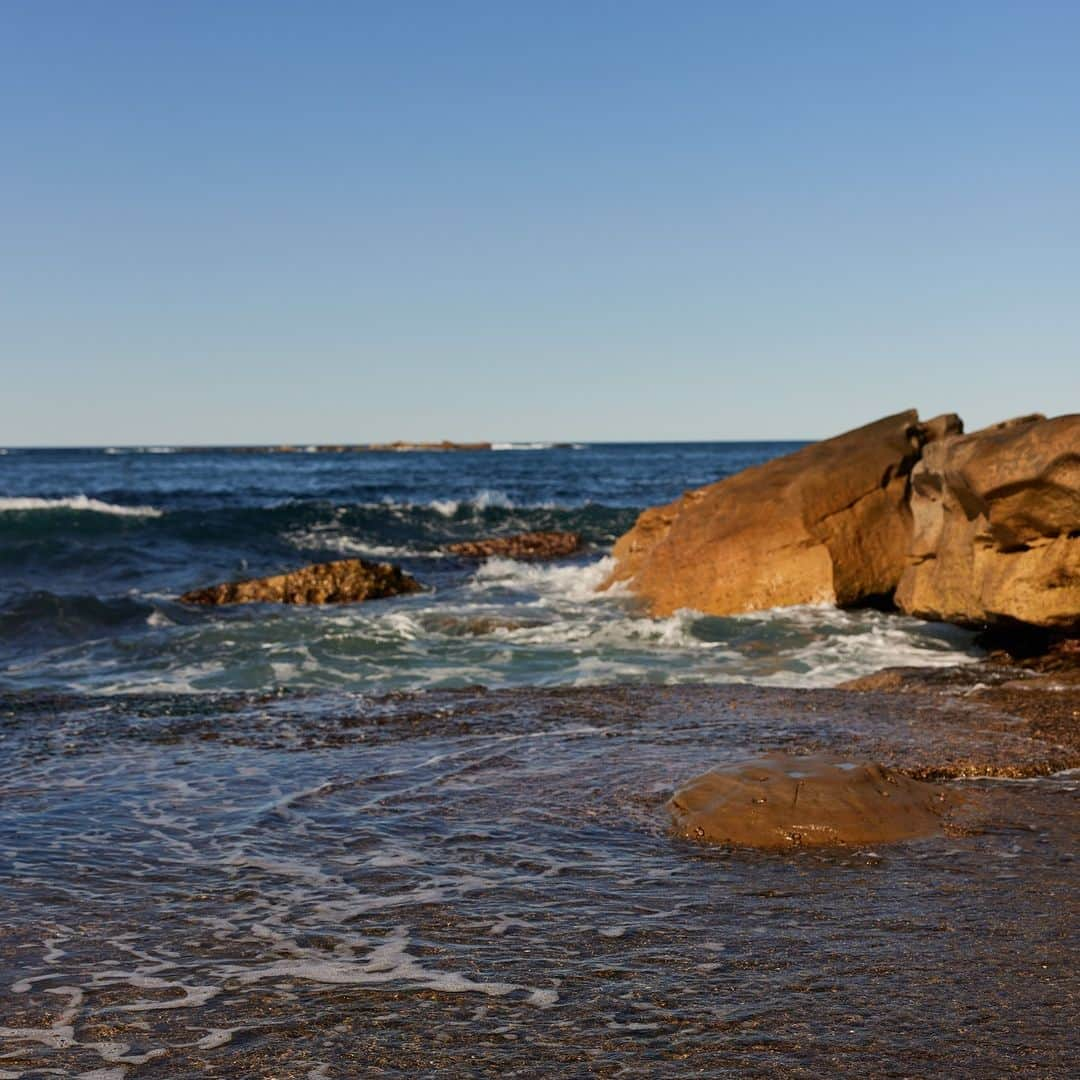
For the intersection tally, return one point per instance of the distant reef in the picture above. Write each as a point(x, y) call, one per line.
point(982, 530)
point(344, 448)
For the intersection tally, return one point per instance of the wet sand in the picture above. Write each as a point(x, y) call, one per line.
point(332, 886)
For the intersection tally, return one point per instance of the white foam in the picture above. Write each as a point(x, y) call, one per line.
point(522, 446)
point(324, 539)
point(14, 504)
point(575, 583)
point(481, 500)
point(386, 963)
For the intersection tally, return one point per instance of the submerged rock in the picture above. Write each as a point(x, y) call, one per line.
point(782, 801)
point(345, 581)
point(530, 545)
point(826, 524)
point(996, 536)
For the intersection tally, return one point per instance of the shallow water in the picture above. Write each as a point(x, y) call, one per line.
point(339, 885)
point(95, 548)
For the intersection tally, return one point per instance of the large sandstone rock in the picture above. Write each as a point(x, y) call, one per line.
point(531, 545)
point(996, 535)
point(826, 524)
point(345, 581)
point(781, 801)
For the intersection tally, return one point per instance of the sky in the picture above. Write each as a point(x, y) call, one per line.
point(262, 222)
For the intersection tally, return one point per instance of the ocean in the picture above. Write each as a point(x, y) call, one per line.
point(96, 546)
point(427, 835)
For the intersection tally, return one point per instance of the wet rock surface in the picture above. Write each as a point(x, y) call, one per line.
point(530, 545)
point(482, 882)
point(1036, 697)
point(820, 800)
point(344, 581)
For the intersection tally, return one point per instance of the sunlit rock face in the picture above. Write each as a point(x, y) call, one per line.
point(826, 524)
point(996, 527)
point(980, 529)
point(780, 801)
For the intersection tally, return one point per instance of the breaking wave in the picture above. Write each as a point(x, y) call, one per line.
point(17, 504)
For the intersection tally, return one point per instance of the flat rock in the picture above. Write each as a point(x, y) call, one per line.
point(530, 545)
point(784, 801)
point(344, 581)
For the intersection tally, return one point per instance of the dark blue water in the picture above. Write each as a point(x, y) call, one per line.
point(96, 545)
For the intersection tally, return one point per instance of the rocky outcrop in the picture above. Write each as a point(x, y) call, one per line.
point(996, 527)
point(783, 801)
point(530, 545)
point(345, 581)
point(980, 529)
point(826, 524)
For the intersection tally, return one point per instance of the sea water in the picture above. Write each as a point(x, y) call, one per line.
point(97, 545)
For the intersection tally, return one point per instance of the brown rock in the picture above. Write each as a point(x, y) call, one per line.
point(996, 536)
point(346, 581)
point(531, 545)
point(782, 801)
point(826, 524)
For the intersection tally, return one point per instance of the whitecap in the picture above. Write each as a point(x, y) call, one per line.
point(27, 503)
point(577, 583)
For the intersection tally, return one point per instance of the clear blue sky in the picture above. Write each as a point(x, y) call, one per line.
point(314, 221)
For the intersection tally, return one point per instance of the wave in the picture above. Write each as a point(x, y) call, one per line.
point(322, 538)
point(522, 446)
point(29, 504)
point(33, 616)
point(575, 583)
point(482, 500)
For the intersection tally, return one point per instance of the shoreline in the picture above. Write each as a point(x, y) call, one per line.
point(486, 880)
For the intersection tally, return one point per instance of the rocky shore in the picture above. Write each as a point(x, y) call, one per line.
point(982, 530)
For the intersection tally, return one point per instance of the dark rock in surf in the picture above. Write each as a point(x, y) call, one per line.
point(530, 545)
point(345, 581)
